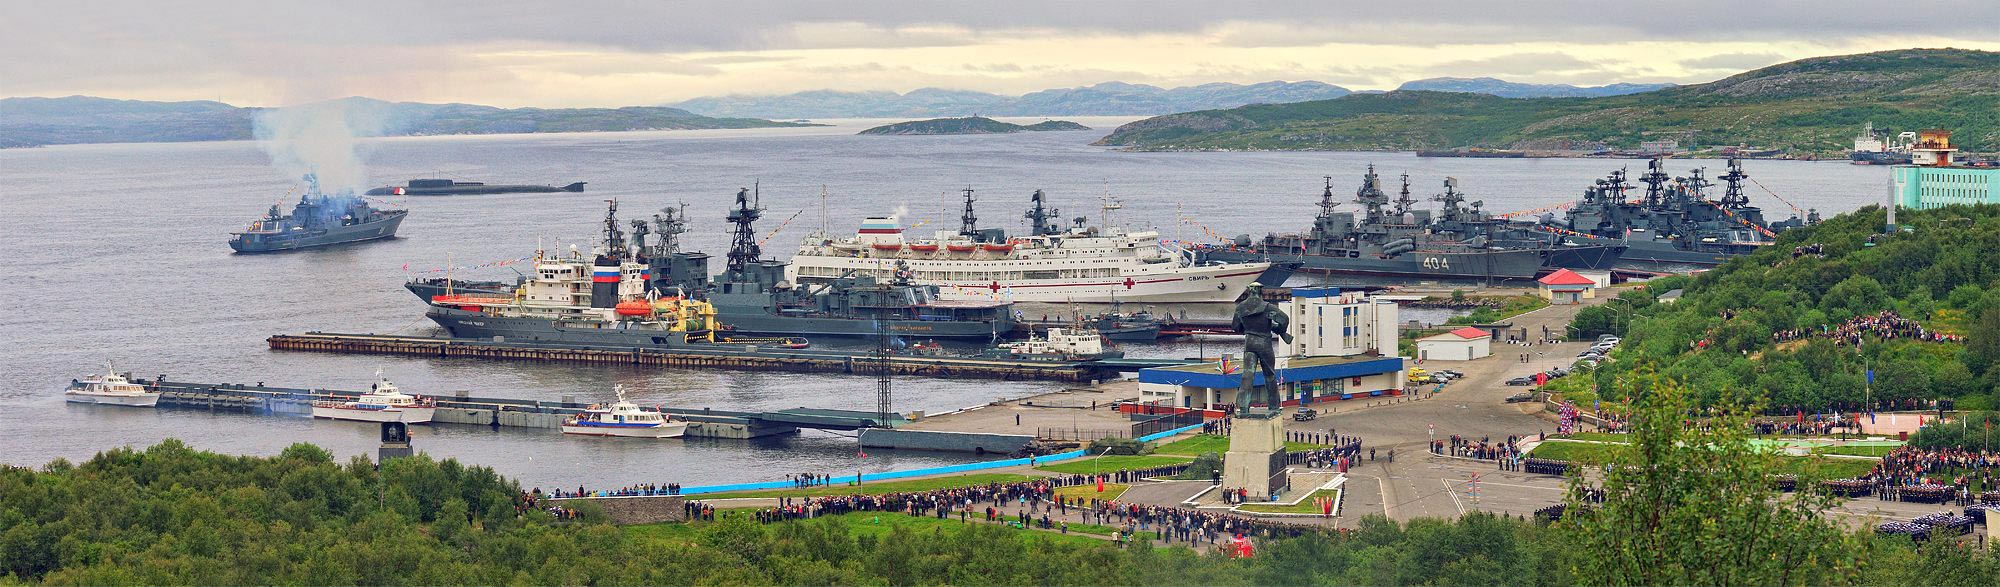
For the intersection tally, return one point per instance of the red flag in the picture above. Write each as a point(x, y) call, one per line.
point(1100, 484)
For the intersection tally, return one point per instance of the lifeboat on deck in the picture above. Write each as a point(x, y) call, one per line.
point(961, 248)
point(924, 248)
point(998, 247)
point(634, 308)
point(888, 247)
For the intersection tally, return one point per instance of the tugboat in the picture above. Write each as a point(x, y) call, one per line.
point(1061, 344)
point(1393, 242)
point(623, 419)
point(446, 187)
point(382, 403)
point(110, 389)
point(1675, 226)
point(317, 220)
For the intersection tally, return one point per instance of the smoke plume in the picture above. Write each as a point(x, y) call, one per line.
point(320, 138)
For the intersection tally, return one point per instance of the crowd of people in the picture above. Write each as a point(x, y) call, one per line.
point(1035, 504)
point(640, 490)
point(1886, 324)
point(529, 501)
point(1507, 454)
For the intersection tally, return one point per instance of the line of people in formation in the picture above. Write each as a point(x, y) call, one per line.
point(640, 490)
point(1914, 474)
point(1033, 503)
point(1885, 324)
point(1507, 455)
point(810, 479)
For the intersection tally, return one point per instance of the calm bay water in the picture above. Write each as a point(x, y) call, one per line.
point(118, 252)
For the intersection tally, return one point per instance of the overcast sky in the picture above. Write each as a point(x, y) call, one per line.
point(598, 53)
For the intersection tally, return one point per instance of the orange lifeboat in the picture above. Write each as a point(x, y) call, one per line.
point(924, 248)
point(961, 248)
point(998, 248)
point(888, 247)
point(634, 308)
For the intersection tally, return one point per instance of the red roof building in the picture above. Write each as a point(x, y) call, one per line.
point(1567, 287)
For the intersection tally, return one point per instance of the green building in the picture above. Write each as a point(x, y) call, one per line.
point(1920, 187)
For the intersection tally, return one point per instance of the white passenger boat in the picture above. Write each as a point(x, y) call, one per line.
point(111, 388)
point(382, 403)
point(623, 419)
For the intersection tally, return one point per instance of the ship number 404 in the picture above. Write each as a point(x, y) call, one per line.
point(1437, 263)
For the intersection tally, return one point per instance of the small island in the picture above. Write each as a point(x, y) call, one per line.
point(972, 125)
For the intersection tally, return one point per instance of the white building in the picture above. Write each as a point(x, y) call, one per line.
point(1464, 344)
point(1343, 347)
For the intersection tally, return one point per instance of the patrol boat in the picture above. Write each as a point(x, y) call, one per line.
point(318, 220)
point(112, 389)
point(383, 403)
point(1396, 241)
point(623, 419)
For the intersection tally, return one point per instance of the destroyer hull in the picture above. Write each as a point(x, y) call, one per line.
point(1501, 264)
point(1585, 257)
point(308, 239)
point(1662, 256)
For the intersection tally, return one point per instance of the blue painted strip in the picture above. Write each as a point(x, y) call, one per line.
point(924, 472)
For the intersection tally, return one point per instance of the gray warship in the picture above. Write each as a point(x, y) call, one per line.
point(1675, 226)
point(751, 295)
point(318, 220)
point(1392, 242)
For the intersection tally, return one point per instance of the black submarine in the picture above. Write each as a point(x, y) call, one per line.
point(447, 187)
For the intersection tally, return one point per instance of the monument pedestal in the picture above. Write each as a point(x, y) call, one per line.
point(1254, 443)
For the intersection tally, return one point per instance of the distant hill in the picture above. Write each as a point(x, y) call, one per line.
point(83, 119)
point(973, 125)
point(1105, 99)
point(1811, 105)
point(1507, 89)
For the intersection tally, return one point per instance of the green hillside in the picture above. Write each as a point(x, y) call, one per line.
point(1781, 330)
point(970, 125)
point(1812, 105)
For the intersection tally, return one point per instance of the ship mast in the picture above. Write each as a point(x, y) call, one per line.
point(614, 237)
point(1039, 217)
point(1371, 197)
point(743, 249)
point(1403, 199)
point(968, 223)
point(1326, 203)
point(1656, 181)
point(1733, 197)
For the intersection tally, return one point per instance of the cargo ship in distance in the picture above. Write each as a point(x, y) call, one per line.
point(1051, 265)
point(318, 220)
point(447, 187)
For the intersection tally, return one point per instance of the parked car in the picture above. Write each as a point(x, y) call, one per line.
point(1449, 374)
point(1522, 380)
point(1581, 363)
point(1558, 372)
point(1608, 338)
point(1304, 414)
point(1520, 397)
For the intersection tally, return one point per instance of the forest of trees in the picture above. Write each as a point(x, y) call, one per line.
point(170, 515)
point(1781, 326)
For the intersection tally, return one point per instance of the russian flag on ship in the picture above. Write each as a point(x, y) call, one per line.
point(604, 275)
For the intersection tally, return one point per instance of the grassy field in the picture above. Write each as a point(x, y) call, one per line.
point(1876, 451)
point(871, 488)
point(1201, 443)
point(1106, 464)
point(1594, 453)
point(1304, 506)
point(1111, 491)
point(869, 524)
point(1601, 437)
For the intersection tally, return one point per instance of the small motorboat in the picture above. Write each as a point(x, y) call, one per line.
point(623, 419)
point(382, 403)
point(112, 389)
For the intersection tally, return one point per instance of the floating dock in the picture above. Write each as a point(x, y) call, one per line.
point(744, 357)
point(496, 412)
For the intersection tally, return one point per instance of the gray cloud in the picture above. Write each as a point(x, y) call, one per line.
point(1733, 61)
